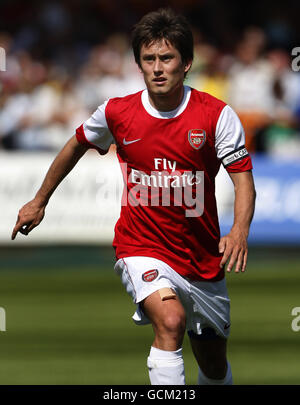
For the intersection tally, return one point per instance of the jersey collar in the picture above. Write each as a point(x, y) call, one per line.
point(166, 114)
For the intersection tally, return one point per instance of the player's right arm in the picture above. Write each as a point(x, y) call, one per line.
point(32, 213)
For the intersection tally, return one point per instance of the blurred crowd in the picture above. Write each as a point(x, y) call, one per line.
point(260, 85)
point(42, 103)
point(44, 98)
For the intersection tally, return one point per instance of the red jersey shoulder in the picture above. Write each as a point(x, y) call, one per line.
point(207, 100)
point(122, 105)
point(120, 113)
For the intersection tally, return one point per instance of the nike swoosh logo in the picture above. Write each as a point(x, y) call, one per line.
point(129, 142)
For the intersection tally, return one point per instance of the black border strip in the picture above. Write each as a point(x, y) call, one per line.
point(96, 394)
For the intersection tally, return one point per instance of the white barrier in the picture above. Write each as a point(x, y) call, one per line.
point(83, 209)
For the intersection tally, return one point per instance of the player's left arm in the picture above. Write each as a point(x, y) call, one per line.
point(234, 245)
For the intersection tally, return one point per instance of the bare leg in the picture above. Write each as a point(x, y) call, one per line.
point(211, 358)
point(165, 361)
point(168, 321)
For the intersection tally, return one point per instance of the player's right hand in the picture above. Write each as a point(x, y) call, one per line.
point(30, 215)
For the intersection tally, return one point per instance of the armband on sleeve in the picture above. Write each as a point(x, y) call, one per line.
point(234, 156)
point(237, 161)
point(230, 142)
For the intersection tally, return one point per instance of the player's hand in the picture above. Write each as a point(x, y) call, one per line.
point(29, 217)
point(235, 249)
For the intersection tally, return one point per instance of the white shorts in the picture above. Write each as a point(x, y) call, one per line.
point(206, 303)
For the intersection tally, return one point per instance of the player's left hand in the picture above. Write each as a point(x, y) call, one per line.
point(235, 249)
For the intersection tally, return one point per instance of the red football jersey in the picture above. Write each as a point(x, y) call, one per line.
point(169, 162)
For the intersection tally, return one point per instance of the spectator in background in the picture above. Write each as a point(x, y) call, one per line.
point(251, 81)
point(208, 72)
point(282, 137)
point(37, 109)
point(120, 76)
point(109, 72)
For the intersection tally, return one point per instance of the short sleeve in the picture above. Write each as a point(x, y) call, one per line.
point(94, 132)
point(230, 142)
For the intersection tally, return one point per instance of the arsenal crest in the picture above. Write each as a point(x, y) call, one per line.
point(150, 275)
point(197, 138)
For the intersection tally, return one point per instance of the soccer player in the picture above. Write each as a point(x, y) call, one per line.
point(170, 141)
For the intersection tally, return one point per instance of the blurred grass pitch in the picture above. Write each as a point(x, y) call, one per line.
point(71, 324)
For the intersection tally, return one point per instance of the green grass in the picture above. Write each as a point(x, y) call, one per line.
point(72, 324)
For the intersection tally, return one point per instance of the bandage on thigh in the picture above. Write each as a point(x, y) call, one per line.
point(166, 293)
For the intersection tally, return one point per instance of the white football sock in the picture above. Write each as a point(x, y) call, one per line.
point(227, 380)
point(166, 367)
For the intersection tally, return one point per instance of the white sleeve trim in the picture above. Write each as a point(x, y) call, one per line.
point(96, 129)
point(229, 137)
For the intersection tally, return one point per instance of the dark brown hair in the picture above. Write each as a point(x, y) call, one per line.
point(163, 24)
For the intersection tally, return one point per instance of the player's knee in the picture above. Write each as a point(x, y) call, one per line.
point(173, 324)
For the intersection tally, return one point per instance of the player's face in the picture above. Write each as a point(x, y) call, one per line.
point(163, 70)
